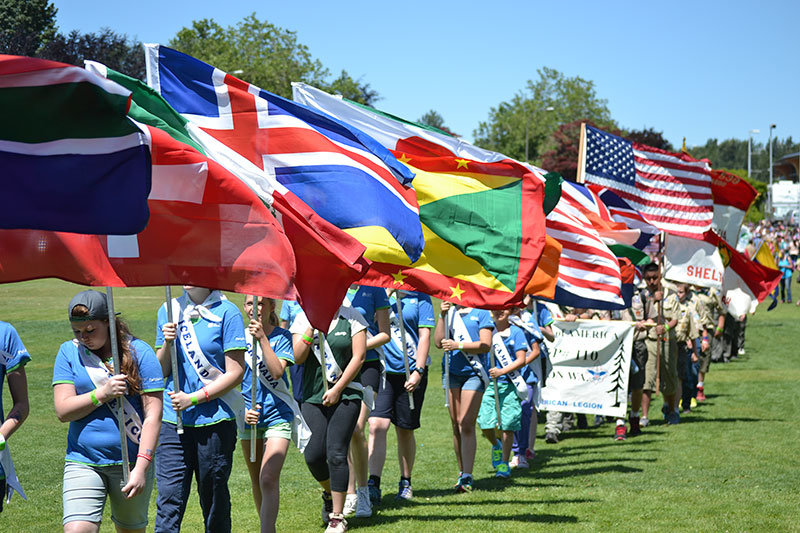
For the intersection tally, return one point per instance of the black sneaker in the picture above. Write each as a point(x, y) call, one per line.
point(374, 493)
point(327, 507)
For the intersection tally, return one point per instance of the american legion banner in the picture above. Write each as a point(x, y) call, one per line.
point(590, 367)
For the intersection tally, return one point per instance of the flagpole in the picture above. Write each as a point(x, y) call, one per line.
point(660, 321)
point(492, 364)
point(321, 345)
point(449, 327)
point(254, 382)
point(399, 297)
point(581, 171)
point(173, 358)
point(123, 435)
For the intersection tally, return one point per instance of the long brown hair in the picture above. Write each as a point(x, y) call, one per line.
point(129, 366)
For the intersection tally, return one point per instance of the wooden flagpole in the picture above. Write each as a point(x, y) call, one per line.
point(581, 172)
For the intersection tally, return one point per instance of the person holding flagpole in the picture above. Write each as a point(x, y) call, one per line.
point(465, 334)
point(373, 304)
point(275, 408)
point(393, 405)
point(332, 396)
point(86, 394)
point(209, 336)
point(510, 349)
point(13, 358)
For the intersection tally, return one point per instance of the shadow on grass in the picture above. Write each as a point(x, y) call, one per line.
point(418, 501)
point(573, 472)
point(523, 518)
point(692, 420)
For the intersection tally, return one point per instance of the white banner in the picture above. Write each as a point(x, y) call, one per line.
point(591, 366)
point(692, 261)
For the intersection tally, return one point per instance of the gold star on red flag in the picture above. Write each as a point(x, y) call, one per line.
point(399, 277)
point(457, 291)
point(462, 163)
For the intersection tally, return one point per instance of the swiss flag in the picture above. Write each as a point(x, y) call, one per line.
point(206, 228)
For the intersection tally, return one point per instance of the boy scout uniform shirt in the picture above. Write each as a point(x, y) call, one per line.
point(688, 326)
point(709, 309)
point(671, 309)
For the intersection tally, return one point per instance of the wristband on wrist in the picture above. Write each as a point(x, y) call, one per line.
point(719, 328)
point(666, 327)
point(206, 393)
point(93, 397)
point(307, 340)
point(194, 399)
point(145, 456)
point(461, 346)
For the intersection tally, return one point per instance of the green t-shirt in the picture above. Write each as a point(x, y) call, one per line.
point(340, 339)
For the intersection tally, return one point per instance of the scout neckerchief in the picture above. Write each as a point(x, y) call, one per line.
point(504, 359)
point(301, 433)
point(5, 454)
point(332, 371)
point(183, 309)
point(461, 334)
point(99, 374)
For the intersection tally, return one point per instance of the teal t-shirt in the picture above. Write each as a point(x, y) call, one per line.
point(215, 339)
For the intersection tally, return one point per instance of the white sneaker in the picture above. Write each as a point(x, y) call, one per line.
point(364, 506)
point(644, 422)
point(336, 524)
point(522, 462)
point(350, 502)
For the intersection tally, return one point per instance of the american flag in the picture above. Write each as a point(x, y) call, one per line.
point(622, 211)
point(588, 272)
point(672, 191)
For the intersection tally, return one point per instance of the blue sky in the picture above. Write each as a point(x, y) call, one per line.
point(701, 69)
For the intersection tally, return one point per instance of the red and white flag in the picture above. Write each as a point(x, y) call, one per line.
point(732, 198)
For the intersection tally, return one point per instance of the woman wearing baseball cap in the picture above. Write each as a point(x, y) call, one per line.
point(86, 394)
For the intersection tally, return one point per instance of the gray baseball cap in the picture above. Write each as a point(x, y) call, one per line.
point(94, 301)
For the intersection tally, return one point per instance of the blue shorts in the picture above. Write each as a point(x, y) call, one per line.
point(470, 382)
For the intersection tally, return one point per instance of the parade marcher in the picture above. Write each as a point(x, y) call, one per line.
point(639, 356)
point(663, 335)
point(392, 404)
point(209, 337)
point(687, 332)
point(13, 358)
point(373, 304)
point(786, 266)
point(465, 335)
point(289, 311)
point(275, 408)
point(87, 394)
point(523, 449)
point(332, 396)
point(712, 318)
point(509, 348)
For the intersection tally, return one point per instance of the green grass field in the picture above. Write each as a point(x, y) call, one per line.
point(732, 465)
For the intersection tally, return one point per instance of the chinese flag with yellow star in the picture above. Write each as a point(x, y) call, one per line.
point(483, 222)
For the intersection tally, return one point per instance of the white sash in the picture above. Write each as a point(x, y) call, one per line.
point(461, 334)
point(331, 368)
point(99, 375)
point(397, 337)
point(369, 394)
point(505, 359)
point(301, 433)
point(182, 310)
point(5, 454)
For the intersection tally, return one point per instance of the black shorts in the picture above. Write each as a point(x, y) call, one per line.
point(371, 375)
point(392, 402)
point(636, 381)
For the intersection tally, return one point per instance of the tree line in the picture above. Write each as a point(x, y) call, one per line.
point(540, 123)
